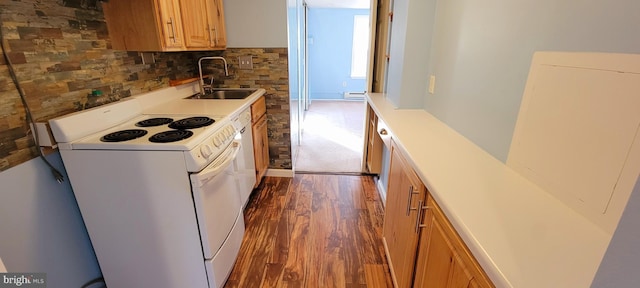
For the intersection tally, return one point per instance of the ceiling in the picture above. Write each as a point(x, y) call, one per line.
point(355, 4)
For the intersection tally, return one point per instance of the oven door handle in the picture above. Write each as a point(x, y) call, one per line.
point(219, 164)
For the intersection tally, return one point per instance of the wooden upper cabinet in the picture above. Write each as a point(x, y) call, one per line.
point(165, 25)
point(405, 197)
point(203, 24)
point(216, 23)
point(195, 24)
point(171, 24)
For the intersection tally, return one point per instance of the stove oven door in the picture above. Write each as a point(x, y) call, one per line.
point(218, 209)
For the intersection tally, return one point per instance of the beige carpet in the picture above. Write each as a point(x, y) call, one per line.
point(332, 137)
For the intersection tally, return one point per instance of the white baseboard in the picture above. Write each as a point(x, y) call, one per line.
point(280, 173)
point(382, 192)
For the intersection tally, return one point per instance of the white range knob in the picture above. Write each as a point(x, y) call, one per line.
point(206, 151)
point(216, 141)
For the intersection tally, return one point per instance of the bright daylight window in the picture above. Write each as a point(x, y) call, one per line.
point(359, 53)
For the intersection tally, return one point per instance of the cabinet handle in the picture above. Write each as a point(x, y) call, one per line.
point(420, 208)
point(210, 35)
point(173, 29)
point(215, 39)
point(411, 192)
point(383, 131)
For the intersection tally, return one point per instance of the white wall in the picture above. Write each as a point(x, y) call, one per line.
point(619, 268)
point(482, 50)
point(409, 52)
point(256, 23)
point(41, 227)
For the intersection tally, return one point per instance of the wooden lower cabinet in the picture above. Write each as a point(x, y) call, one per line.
point(260, 138)
point(405, 194)
point(443, 259)
point(373, 153)
point(422, 247)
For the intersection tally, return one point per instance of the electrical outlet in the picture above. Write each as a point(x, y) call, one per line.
point(147, 57)
point(45, 138)
point(246, 62)
point(432, 84)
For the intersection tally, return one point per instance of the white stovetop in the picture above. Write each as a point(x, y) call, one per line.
point(521, 235)
point(94, 141)
point(85, 128)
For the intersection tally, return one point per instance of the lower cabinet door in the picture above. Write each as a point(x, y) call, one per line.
point(260, 147)
point(404, 194)
point(443, 259)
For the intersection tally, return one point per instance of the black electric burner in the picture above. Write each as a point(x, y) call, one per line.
point(170, 136)
point(154, 122)
point(123, 135)
point(191, 123)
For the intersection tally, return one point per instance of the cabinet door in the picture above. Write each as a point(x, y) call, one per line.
point(441, 266)
point(404, 194)
point(170, 23)
point(195, 22)
point(216, 27)
point(141, 25)
point(443, 260)
point(373, 155)
point(260, 147)
point(258, 109)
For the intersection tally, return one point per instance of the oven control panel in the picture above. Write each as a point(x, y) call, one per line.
point(209, 149)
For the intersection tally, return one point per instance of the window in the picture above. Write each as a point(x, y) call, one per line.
point(360, 49)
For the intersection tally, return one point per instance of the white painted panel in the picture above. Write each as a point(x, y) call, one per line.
point(41, 227)
point(576, 129)
point(260, 24)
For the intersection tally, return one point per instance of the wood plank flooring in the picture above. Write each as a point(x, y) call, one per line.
point(313, 230)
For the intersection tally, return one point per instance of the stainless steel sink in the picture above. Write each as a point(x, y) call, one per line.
point(224, 94)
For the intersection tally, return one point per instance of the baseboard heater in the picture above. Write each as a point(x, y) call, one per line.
point(351, 95)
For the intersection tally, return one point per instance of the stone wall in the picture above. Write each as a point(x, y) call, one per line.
point(270, 71)
point(61, 52)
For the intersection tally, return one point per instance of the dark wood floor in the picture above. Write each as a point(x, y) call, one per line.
point(313, 231)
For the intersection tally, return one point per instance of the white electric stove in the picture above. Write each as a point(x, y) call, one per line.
point(158, 193)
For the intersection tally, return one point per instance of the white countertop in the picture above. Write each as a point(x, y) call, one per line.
point(521, 235)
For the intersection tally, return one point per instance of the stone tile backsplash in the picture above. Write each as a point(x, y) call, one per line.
point(270, 71)
point(61, 52)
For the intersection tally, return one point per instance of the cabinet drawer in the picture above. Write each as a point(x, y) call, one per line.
point(383, 132)
point(258, 109)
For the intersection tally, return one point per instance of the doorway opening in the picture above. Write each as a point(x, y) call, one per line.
point(333, 66)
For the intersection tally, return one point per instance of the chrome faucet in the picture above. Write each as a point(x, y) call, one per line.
point(201, 82)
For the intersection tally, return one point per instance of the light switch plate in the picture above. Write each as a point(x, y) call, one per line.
point(246, 62)
point(432, 84)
